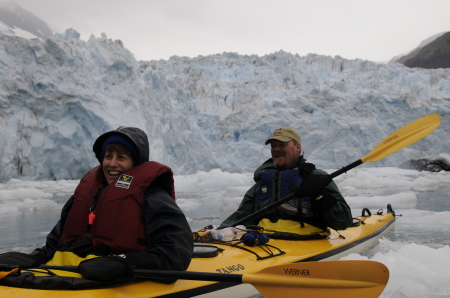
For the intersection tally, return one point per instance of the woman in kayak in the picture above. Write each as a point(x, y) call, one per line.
point(280, 176)
point(122, 216)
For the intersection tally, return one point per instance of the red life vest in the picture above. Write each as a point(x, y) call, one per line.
point(119, 222)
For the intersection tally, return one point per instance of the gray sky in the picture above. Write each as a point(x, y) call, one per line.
point(375, 30)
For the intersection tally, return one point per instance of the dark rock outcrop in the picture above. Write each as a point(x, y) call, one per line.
point(404, 57)
point(425, 164)
point(434, 55)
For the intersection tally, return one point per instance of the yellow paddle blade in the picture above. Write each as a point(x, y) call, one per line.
point(404, 137)
point(346, 279)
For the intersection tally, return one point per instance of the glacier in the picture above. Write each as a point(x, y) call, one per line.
point(209, 112)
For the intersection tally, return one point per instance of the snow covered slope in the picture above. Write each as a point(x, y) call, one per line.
point(58, 95)
point(16, 21)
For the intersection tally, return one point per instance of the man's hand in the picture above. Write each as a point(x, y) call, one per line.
point(323, 202)
point(312, 185)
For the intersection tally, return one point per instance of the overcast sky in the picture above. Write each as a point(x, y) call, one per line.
point(375, 30)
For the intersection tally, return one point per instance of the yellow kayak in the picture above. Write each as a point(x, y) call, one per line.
point(238, 259)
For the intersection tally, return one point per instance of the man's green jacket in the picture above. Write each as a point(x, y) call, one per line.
point(338, 217)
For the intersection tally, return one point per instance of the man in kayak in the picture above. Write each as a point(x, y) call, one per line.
point(122, 216)
point(280, 176)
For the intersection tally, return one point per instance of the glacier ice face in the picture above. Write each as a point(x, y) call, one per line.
point(58, 95)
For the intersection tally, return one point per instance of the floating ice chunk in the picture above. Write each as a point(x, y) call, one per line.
point(187, 183)
point(402, 200)
point(5, 209)
point(216, 178)
point(188, 204)
point(415, 270)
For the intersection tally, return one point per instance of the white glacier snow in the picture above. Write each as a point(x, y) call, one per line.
point(203, 113)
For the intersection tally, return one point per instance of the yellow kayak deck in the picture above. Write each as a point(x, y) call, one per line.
point(237, 261)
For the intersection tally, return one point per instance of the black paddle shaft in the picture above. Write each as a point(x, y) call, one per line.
point(206, 276)
point(310, 187)
point(346, 168)
point(143, 273)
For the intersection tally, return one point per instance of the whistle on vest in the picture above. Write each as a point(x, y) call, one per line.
point(91, 218)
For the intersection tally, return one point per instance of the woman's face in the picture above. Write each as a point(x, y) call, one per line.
point(115, 164)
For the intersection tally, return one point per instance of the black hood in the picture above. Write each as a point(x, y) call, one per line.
point(136, 135)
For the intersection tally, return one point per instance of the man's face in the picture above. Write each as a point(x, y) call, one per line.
point(285, 154)
point(115, 164)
